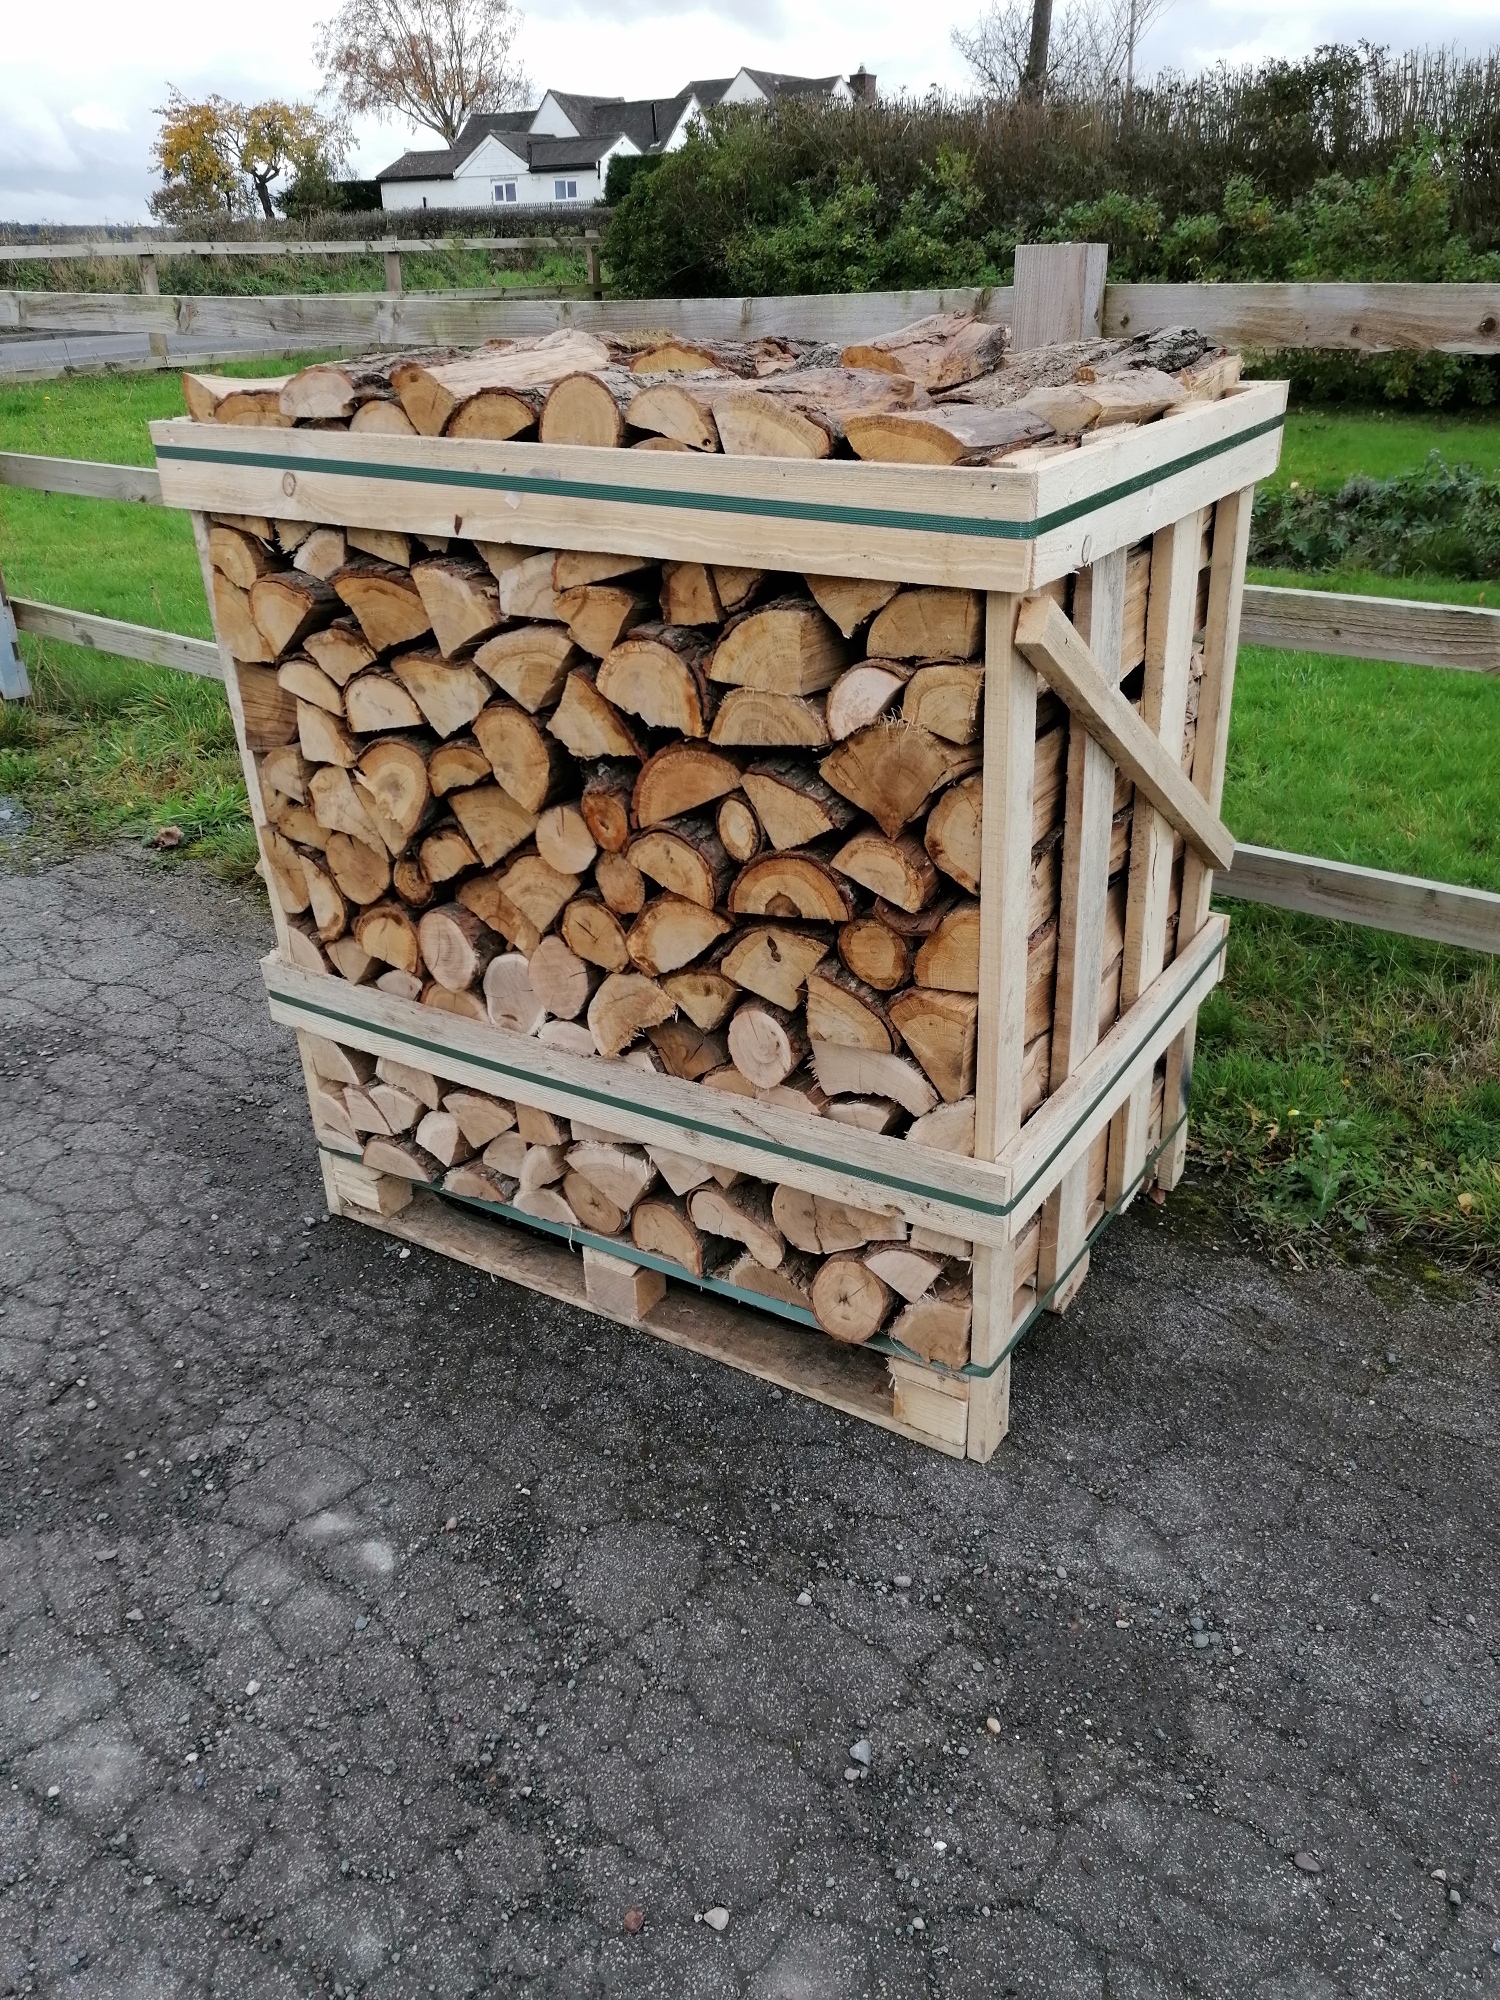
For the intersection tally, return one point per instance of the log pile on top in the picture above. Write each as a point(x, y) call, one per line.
point(705, 820)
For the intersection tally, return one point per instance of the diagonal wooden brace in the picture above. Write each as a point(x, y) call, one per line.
point(1055, 648)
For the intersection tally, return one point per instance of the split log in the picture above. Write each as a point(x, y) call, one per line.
point(571, 1036)
point(862, 694)
point(686, 857)
point(594, 933)
point(449, 692)
point(362, 872)
point(587, 408)
point(404, 1158)
point(600, 614)
point(948, 434)
point(928, 623)
point(785, 647)
point(689, 595)
point(1134, 396)
point(330, 1116)
point(658, 674)
point(900, 870)
point(439, 1133)
point(542, 1128)
point(662, 1227)
point(385, 419)
point(232, 621)
point(480, 1118)
point(625, 1006)
point(738, 828)
point(492, 822)
point(236, 399)
point(940, 1030)
point(841, 1008)
point(680, 778)
point(378, 701)
point(867, 1114)
point(790, 884)
point(953, 835)
point(946, 698)
point(306, 682)
point(412, 882)
point(743, 1214)
point(563, 840)
point(323, 739)
point(336, 1064)
point(394, 773)
point(243, 558)
point(288, 535)
point(462, 601)
point(296, 822)
point(621, 884)
point(940, 352)
point(793, 803)
point(949, 958)
point(824, 1227)
point(561, 980)
point(539, 891)
point(622, 1172)
point(543, 1167)
point(572, 569)
point(446, 854)
point(705, 995)
point(531, 764)
point(509, 997)
point(671, 932)
point(680, 1173)
point(285, 770)
point(387, 932)
point(526, 586)
point(774, 963)
point(486, 898)
point(801, 414)
point(589, 725)
point(689, 1052)
point(286, 870)
point(500, 414)
point(455, 765)
point(433, 393)
point(506, 1154)
point(322, 553)
point(680, 412)
point(605, 804)
point(937, 1327)
point(766, 1043)
point(386, 602)
point(790, 1283)
point(770, 721)
point(891, 769)
point(735, 586)
point(846, 1072)
point(331, 389)
point(911, 1274)
point(351, 961)
point(850, 601)
point(341, 809)
point(530, 663)
point(456, 947)
point(849, 1301)
point(340, 649)
point(593, 1208)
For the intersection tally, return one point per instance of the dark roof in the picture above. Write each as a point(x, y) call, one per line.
point(442, 164)
point(545, 155)
point(419, 167)
point(648, 121)
point(708, 90)
point(776, 84)
point(581, 110)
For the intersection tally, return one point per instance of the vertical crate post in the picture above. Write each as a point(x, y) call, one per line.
point(1059, 293)
point(393, 272)
point(591, 264)
point(1221, 640)
point(150, 285)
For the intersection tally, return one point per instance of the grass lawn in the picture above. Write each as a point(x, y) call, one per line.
point(1347, 1082)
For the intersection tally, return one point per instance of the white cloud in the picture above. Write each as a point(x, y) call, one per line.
point(98, 118)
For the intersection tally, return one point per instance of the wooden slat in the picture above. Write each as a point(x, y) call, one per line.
point(1406, 904)
point(1054, 647)
point(85, 477)
point(1365, 318)
point(1059, 293)
point(113, 635)
point(1401, 629)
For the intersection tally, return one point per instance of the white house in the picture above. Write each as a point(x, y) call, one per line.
point(561, 151)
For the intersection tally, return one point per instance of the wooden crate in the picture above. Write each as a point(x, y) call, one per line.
point(1061, 547)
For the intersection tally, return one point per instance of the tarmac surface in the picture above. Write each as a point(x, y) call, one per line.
point(368, 1626)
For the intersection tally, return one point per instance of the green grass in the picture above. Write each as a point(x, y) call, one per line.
point(436, 270)
point(1348, 1084)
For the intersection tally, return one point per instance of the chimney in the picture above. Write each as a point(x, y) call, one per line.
point(862, 86)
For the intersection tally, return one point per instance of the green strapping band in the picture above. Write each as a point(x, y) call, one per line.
point(728, 503)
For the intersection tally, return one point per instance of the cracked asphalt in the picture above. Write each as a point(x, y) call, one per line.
point(368, 1626)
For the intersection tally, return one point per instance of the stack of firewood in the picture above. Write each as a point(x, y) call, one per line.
point(705, 820)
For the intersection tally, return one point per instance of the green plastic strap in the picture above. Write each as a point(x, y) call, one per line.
point(558, 488)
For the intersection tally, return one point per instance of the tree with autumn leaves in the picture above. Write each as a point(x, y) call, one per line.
point(223, 160)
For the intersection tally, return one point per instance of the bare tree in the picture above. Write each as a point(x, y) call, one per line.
point(436, 62)
point(1022, 48)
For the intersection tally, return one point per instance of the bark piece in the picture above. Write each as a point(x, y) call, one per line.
point(766, 1043)
point(530, 663)
point(706, 996)
point(449, 692)
point(900, 870)
point(790, 884)
point(948, 434)
point(378, 701)
point(774, 963)
point(843, 1009)
point(891, 769)
point(680, 778)
point(340, 649)
point(743, 1214)
point(621, 884)
point(658, 674)
point(671, 932)
point(528, 762)
point(793, 803)
point(928, 623)
point(785, 647)
point(946, 698)
point(564, 841)
point(387, 932)
point(394, 773)
point(589, 725)
point(492, 821)
point(686, 857)
point(386, 602)
point(849, 1300)
point(850, 601)
point(605, 804)
point(770, 721)
point(593, 931)
point(462, 601)
point(847, 1072)
point(456, 947)
point(600, 614)
point(561, 980)
point(739, 829)
point(940, 1030)
point(625, 1006)
point(862, 695)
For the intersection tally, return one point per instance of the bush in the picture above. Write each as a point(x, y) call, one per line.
point(1443, 521)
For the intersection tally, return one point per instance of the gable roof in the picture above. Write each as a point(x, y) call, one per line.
point(776, 83)
point(547, 154)
point(444, 162)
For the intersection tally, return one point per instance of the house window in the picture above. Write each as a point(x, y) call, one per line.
point(504, 190)
point(565, 190)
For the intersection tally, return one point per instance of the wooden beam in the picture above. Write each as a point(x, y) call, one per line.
point(1406, 904)
point(15, 684)
point(1364, 319)
point(1059, 293)
point(1051, 642)
point(1401, 629)
point(81, 476)
point(113, 635)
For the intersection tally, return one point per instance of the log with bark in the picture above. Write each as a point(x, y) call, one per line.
point(527, 761)
point(530, 663)
point(793, 804)
point(785, 647)
point(677, 780)
point(940, 352)
point(462, 601)
point(891, 769)
point(659, 674)
point(386, 603)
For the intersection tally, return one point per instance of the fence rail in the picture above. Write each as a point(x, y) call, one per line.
point(92, 249)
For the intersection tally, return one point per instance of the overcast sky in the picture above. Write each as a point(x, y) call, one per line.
point(79, 78)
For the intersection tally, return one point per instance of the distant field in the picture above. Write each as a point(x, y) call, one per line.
point(435, 270)
point(1324, 447)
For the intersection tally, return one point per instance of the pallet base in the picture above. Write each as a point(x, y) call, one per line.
point(925, 1405)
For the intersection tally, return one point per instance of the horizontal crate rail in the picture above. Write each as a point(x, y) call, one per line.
point(1400, 630)
point(56, 253)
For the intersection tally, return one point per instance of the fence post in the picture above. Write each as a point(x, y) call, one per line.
point(1059, 293)
point(393, 272)
point(15, 684)
point(591, 263)
point(150, 287)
